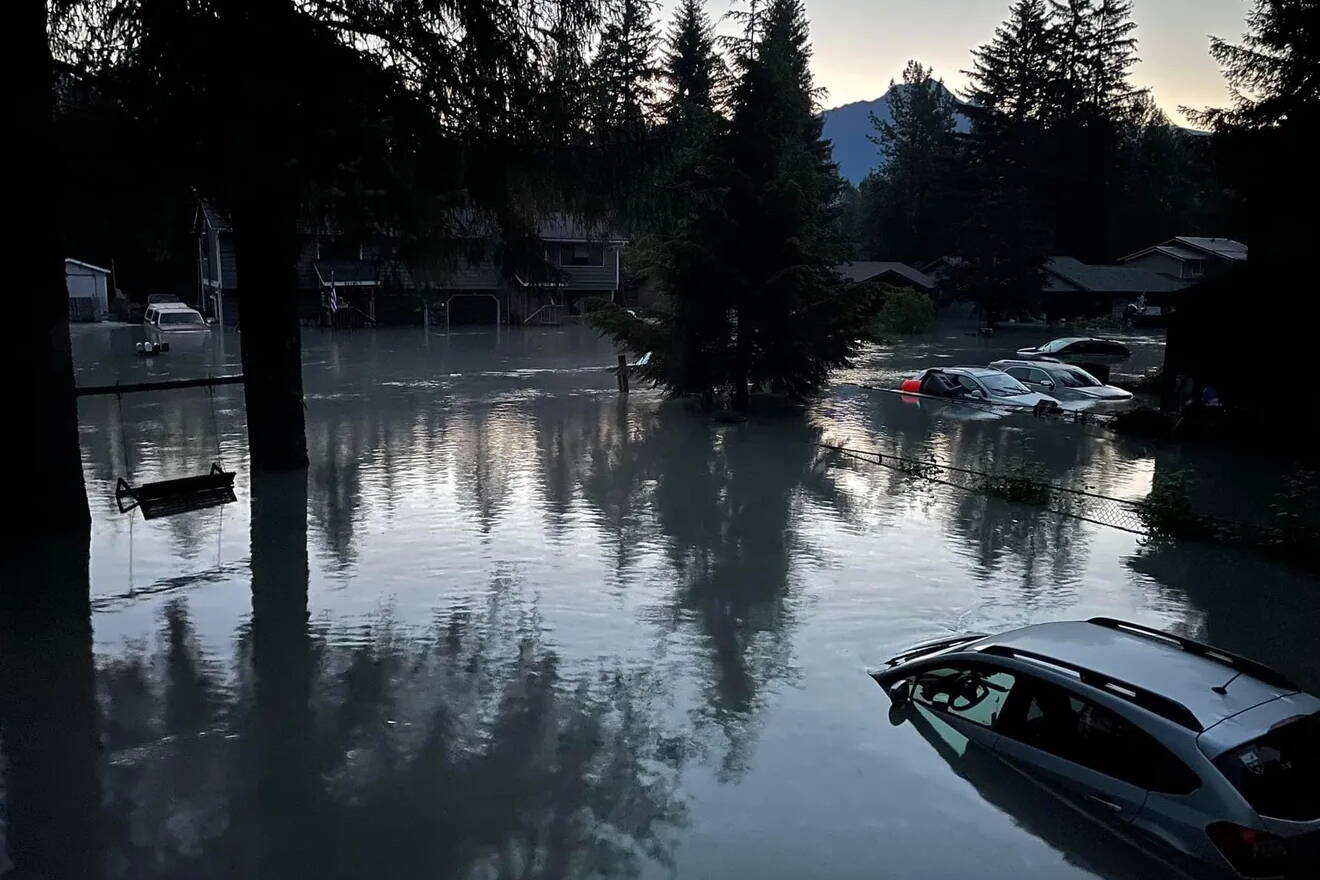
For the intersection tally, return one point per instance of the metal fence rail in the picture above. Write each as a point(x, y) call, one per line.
point(1116, 513)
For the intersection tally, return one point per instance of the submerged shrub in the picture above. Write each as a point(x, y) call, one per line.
point(906, 311)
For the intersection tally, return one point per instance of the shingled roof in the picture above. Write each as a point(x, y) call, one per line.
point(868, 271)
point(1065, 274)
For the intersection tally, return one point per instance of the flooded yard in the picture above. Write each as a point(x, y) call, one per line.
point(511, 624)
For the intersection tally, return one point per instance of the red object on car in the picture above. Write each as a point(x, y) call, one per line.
point(911, 386)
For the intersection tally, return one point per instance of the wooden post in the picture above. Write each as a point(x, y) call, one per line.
point(623, 374)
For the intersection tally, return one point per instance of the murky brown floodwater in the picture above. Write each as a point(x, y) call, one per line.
point(511, 625)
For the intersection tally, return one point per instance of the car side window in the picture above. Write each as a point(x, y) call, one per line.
point(1055, 720)
point(1022, 374)
point(969, 383)
point(1040, 377)
point(974, 693)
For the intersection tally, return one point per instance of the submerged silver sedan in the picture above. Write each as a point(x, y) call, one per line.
point(1061, 381)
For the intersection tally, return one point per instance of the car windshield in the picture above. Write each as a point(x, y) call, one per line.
point(1003, 385)
point(1077, 379)
point(181, 318)
point(1279, 774)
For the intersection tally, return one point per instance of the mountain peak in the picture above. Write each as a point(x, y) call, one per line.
point(849, 128)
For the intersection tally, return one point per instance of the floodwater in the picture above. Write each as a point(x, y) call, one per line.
point(509, 624)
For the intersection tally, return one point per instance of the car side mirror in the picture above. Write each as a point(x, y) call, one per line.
point(1048, 383)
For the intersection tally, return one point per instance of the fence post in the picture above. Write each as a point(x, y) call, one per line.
point(623, 374)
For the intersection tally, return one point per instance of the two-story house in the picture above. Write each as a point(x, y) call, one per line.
point(569, 263)
point(1189, 258)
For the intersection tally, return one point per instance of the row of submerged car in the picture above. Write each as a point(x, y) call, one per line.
point(1046, 376)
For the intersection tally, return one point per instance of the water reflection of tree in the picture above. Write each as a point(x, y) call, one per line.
point(722, 505)
point(1044, 547)
point(1252, 606)
point(48, 732)
point(459, 751)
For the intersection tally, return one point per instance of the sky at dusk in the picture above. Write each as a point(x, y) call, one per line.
point(860, 45)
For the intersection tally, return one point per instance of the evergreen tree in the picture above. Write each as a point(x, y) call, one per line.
point(910, 199)
point(1092, 49)
point(1168, 180)
point(1265, 145)
point(1003, 245)
point(692, 72)
point(1274, 73)
point(792, 322)
point(750, 271)
point(1010, 74)
point(623, 73)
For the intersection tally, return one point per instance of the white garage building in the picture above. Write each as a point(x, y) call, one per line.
point(89, 290)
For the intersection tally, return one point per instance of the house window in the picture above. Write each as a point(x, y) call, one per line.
point(1195, 268)
point(581, 254)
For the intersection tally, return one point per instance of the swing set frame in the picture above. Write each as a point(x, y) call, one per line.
point(181, 494)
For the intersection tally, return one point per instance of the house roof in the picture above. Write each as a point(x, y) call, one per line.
point(212, 217)
point(562, 227)
point(1065, 274)
point(1187, 247)
point(1225, 248)
point(867, 271)
point(68, 260)
point(349, 273)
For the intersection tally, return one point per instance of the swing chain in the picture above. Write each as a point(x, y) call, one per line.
point(123, 437)
point(215, 425)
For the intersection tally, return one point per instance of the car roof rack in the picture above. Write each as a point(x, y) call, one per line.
point(1149, 700)
point(931, 647)
point(1228, 658)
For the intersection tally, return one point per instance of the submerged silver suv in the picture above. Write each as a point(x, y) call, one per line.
point(1212, 758)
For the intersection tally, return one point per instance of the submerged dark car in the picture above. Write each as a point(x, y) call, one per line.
point(1079, 350)
point(976, 384)
point(1064, 382)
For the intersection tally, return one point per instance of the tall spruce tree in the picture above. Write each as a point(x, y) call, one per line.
point(749, 273)
point(1092, 51)
point(1274, 73)
point(792, 322)
point(623, 74)
point(1009, 77)
point(689, 340)
point(692, 71)
point(910, 200)
point(1003, 244)
point(1265, 144)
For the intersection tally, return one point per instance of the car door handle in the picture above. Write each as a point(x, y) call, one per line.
point(1101, 802)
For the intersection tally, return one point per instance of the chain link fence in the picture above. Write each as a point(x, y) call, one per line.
point(1116, 513)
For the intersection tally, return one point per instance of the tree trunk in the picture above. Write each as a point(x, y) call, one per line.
point(48, 713)
point(46, 457)
point(267, 249)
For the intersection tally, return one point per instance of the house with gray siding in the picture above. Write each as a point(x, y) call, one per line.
point(1076, 289)
point(1189, 258)
point(89, 290)
point(568, 263)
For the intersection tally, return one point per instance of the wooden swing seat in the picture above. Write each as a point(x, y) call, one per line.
point(181, 495)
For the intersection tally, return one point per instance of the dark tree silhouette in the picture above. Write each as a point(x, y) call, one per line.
point(50, 478)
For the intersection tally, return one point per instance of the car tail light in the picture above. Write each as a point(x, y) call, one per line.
point(911, 386)
point(1251, 852)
